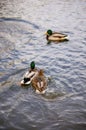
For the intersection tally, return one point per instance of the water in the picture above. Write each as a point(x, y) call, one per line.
point(22, 27)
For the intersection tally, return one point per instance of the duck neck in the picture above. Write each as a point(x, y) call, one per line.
point(47, 37)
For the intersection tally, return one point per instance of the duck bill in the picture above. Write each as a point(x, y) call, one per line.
point(46, 33)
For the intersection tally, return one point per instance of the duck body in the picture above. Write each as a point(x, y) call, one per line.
point(55, 36)
point(39, 82)
point(28, 76)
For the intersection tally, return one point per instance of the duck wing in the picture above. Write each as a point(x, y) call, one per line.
point(59, 35)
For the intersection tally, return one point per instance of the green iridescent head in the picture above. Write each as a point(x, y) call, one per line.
point(32, 65)
point(49, 32)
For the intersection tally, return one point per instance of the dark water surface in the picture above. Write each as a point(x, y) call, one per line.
point(22, 27)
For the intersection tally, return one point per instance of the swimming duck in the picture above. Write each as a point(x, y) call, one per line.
point(29, 75)
point(55, 36)
point(39, 82)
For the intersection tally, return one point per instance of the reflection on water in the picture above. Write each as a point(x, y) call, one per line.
point(22, 27)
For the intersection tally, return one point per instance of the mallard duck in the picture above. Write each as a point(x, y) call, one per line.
point(29, 75)
point(55, 36)
point(39, 82)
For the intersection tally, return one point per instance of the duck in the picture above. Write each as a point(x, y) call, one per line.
point(39, 82)
point(55, 36)
point(30, 74)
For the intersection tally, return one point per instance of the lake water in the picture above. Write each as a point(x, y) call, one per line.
point(22, 40)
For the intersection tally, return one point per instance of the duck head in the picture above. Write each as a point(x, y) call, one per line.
point(32, 65)
point(41, 73)
point(49, 32)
